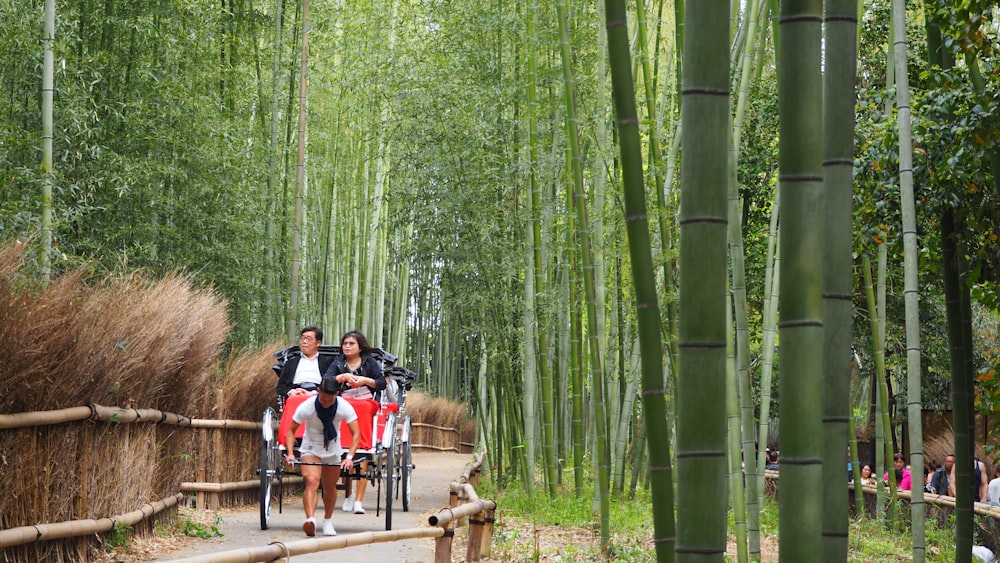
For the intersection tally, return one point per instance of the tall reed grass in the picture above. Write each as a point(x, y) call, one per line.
point(127, 341)
point(438, 411)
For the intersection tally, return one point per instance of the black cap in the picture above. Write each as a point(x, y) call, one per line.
point(329, 385)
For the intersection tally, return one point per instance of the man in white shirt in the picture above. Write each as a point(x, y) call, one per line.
point(993, 489)
point(321, 450)
point(307, 368)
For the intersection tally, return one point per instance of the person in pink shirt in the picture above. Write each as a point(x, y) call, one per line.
point(904, 480)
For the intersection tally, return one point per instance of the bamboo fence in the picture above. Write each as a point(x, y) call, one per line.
point(95, 469)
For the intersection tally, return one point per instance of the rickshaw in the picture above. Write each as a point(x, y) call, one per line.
point(390, 456)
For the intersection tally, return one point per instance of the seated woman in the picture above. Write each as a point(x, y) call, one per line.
point(361, 375)
point(867, 477)
point(903, 478)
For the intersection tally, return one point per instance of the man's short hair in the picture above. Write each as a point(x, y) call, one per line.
point(329, 385)
point(315, 330)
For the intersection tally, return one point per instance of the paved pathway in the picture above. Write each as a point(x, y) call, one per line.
point(431, 480)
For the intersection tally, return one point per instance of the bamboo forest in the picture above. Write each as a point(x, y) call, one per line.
point(646, 243)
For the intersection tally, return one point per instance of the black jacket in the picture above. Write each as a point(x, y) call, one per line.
point(370, 367)
point(940, 481)
point(287, 374)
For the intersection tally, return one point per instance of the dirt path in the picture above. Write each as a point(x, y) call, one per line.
point(431, 479)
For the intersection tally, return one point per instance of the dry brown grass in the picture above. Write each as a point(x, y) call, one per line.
point(119, 341)
point(435, 410)
point(249, 383)
point(122, 341)
point(130, 342)
point(438, 411)
point(937, 447)
point(244, 391)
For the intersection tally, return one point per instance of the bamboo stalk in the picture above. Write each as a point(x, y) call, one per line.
point(289, 549)
point(202, 487)
point(76, 528)
point(43, 418)
point(436, 448)
point(980, 508)
point(441, 428)
point(229, 424)
point(472, 468)
point(448, 514)
point(120, 415)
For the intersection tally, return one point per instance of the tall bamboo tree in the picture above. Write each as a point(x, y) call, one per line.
point(644, 279)
point(539, 346)
point(910, 268)
point(838, 171)
point(530, 324)
point(956, 296)
point(300, 180)
point(701, 426)
point(734, 434)
point(801, 328)
point(883, 430)
point(749, 442)
point(586, 261)
point(273, 302)
point(956, 299)
point(772, 282)
point(48, 86)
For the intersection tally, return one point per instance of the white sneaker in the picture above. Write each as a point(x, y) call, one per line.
point(349, 504)
point(358, 509)
point(309, 527)
point(328, 527)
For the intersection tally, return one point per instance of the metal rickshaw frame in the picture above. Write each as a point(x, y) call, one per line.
point(390, 464)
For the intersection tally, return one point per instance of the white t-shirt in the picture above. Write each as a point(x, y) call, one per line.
point(993, 492)
point(312, 439)
point(307, 371)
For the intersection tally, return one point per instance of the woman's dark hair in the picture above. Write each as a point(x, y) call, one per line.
point(898, 457)
point(363, 344)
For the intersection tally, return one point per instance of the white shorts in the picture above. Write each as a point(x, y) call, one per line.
point(327, 457)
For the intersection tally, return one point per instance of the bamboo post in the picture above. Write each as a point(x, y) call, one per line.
point(200, 496)
point(463, 520)
point(489, 518)
point(446, 518)
point(219, 470)
point(473, 546)
point(442, 545)
point(214, 498)
point(84, 469)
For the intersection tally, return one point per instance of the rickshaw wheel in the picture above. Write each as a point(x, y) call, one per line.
point(267, 468)
point(406, 464)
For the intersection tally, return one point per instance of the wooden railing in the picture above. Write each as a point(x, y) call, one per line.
point(464, 505)
point(203, 450)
